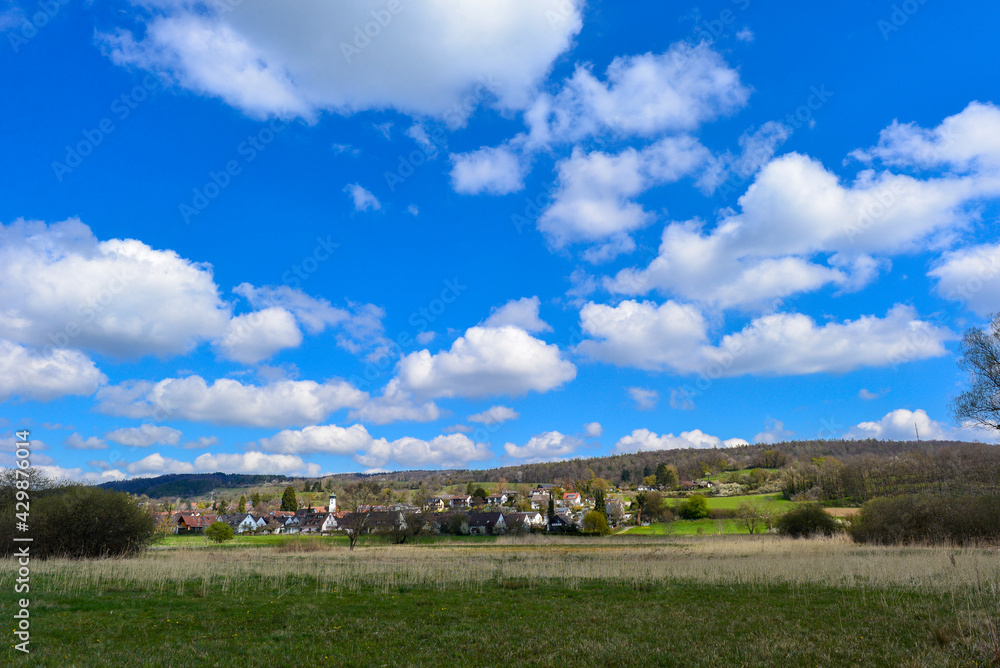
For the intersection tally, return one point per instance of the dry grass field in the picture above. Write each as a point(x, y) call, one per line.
point(739, 600)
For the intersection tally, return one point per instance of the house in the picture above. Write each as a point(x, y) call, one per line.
point(271, 527)
point(562, 522)
point(192, 522)
point(313, 523)
point(530, 520)
point(497, 499)
point(484, 524)
point(539, 500)
point(572, 499)
point(437, 504)
point(242, 522)
point(459, 501)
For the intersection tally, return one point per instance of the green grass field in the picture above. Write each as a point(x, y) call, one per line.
point(733, 502)
point(534, 601)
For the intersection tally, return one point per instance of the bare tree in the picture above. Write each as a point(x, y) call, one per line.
point(358, 499)
point(980, 404)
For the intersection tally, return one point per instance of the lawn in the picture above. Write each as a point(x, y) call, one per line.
point(733, 502)
point(540, 601)
point(689, 528)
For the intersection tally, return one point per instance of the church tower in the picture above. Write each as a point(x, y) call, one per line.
point(332, 508)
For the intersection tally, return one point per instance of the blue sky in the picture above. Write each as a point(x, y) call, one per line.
point(306, 237)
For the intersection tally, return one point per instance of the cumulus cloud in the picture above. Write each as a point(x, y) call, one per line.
point(593, 201)
point(246, 462)
point(230, 402)
point(76, 442)
point(257, 336)
point(904, 425)
point(301, 58)
point(800, 228)
point(593, 429)
point(79, 475)
point(363, 199)
point(452, 450)
point(495, 171)
point(46, 375)
point(145, 435)
point(969, 276)
point(395, 405)
point(645, 399)
point(486, 361)
point(545, 446)
point(521, 313)
point(673, 337)
point(644, 439)
point(642, 95)
point(495, 415)
point(62, 287)
point(774, 432)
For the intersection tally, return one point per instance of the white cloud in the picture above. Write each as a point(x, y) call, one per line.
point(969, 276)
point(78, 474)
point(61, 287)
point(257, 336)
point(247, 462)
point(593, 429)
point(521, 313)
point(230, 402)
point(642, 335)
point(452, 450)
point(300, 58)
point(76, 442)
point(495, 415)
point(485, 362)
point(55, 372)
point(644, 439)
point(643, 95)
point(674, 338)
point(547, 445)
point(968, 140)
point(144, 436)
point(496, 171)
point(645, 399)
point(327, 439)
point(395, 405)
point(594, 197)
point(903, 425)
point(774, 432)
point(868, 395)
point(363, 199)
point(202, 443)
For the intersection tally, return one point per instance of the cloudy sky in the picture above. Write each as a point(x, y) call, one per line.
point(310, 237)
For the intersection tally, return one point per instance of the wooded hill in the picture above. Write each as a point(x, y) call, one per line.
point(190, 484)
point(825, 469)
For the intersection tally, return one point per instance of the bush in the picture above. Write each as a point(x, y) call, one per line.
point(219, 532)
point(79, 522)
point(695, 507)
point(928, 519)
point(806, 521)
point(595, 522)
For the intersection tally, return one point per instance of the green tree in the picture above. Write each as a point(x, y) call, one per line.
point(981, 359)
point(552, 510)
point(595, 522)
point(288, 500)
point(74, 521)
point(479, 496)
point(219, 532)
point(242, 507)
point(807, 520)
point(222, 506)
point(695, 507)
point(255, 499)
point(666, 476)
point(599, 504)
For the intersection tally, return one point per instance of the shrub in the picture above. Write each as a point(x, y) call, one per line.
point(806, 521)
point(79, 522)
point(695, 507)
point(595, 522)
point(219, 532)
point(928, 519)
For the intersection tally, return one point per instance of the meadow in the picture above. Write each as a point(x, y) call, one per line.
point(534, 600)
